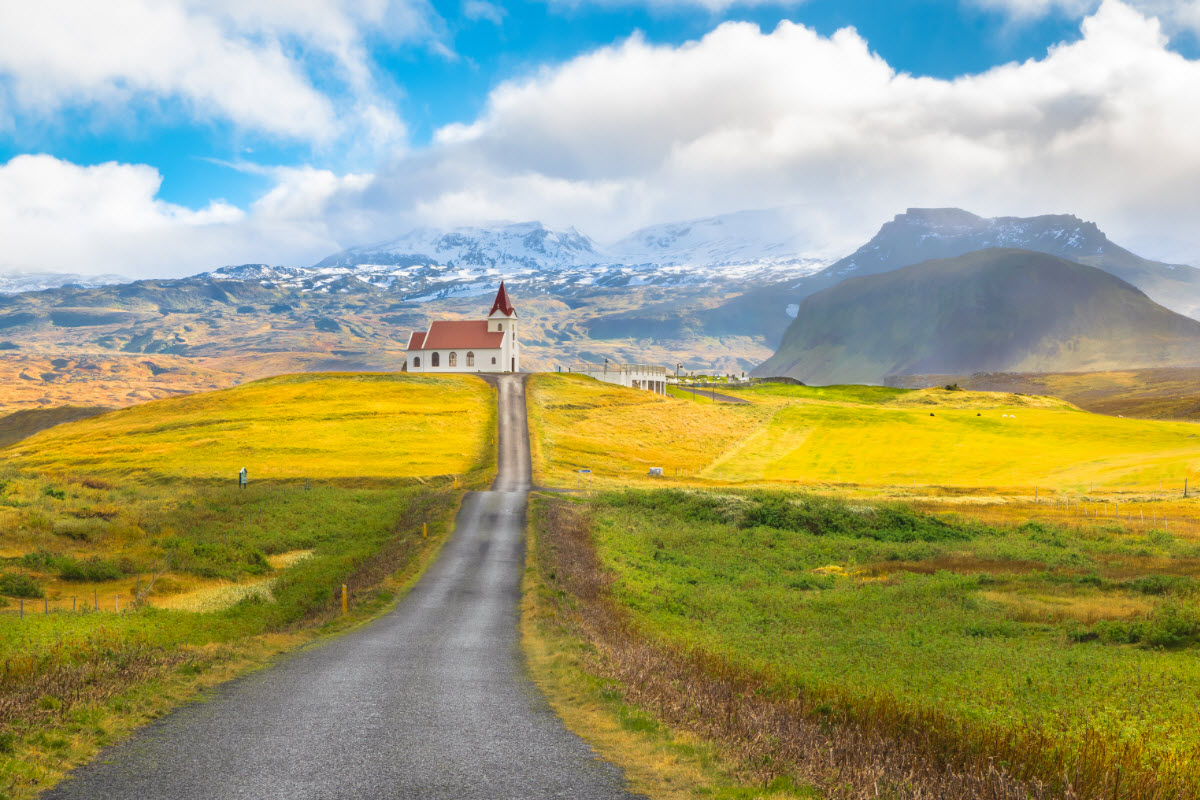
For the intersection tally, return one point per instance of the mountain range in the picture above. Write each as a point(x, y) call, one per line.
point(996, 310)
point(921, 234)
point(713, 294)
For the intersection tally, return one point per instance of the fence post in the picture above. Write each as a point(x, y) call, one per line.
point(73, 603)
point(424, 530)
point(95, 599)
point(22, 605)
point(345, 600)
point(45, 604)
point(117, 603)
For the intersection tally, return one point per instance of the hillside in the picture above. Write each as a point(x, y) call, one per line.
point(1154, 393)
point(994, 310)
point(864, 439)
point(923, 234)
point(363, 426)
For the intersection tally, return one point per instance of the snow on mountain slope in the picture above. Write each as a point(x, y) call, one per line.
point(17, 282)
point(524, 245)
point(745, 242)
point(428, 264)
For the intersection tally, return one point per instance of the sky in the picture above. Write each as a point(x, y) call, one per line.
point(156, 138)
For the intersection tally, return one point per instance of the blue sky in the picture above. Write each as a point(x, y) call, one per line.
point(236, 125)
point(432, 88)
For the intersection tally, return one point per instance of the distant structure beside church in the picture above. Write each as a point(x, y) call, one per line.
point(485, 345)
point(650, 377)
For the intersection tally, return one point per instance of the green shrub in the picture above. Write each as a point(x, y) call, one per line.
point(94, 569)
point(812, 514)
point(1162, 584)
point(57, 494)
point(17, 584)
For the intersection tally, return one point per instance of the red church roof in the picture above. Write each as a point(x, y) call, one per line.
point(502, 303)
point(457, 335)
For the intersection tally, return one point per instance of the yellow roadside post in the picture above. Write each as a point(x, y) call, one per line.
point(424, 530)
point(345, 600)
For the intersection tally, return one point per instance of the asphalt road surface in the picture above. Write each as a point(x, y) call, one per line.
point(429, 701)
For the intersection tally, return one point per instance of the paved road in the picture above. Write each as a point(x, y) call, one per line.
point(718, 397)
point(429, 701)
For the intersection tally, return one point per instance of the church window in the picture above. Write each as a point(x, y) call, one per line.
point(436, 360)
point(493, 360)
point(499, 326)
point(454, 359)
point(470, 359)
point(417, 362)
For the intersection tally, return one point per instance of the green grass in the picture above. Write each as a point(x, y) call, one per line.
point(125, 502)
point(1022, 627)
point(839, 394)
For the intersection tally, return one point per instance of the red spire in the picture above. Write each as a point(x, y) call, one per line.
point(502, 303)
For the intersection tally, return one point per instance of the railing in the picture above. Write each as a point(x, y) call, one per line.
point(642, 369)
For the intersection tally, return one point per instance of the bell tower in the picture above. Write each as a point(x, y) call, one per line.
point(503, 318)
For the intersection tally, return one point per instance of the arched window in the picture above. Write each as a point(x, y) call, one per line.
point(417, 362)
point(493, 361)
point(470, 359)
point(436, 362)
point(454, 359)
point(499, 326)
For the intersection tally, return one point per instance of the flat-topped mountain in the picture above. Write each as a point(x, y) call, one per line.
point(997, 310)
point(922, 234)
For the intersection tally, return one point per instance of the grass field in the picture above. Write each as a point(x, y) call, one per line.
point(141, 507)
point(306, 426)
point(857, 436)
point(1037, 644)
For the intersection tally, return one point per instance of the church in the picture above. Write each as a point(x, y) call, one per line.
point(484, 345)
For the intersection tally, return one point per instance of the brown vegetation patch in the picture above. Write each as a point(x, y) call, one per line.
point(961, 564)
point(46, 684)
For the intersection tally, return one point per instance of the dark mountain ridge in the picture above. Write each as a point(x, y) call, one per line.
point(996, 310)
point(922, 234)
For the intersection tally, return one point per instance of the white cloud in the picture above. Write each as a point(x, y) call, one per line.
point(476, 10)
point(636, 133)
point(246, 61)
point(1102, 127)
point(59, 216)
point(1176, 15)
point(713, 6)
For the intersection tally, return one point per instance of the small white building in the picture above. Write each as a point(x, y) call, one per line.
point(484, 345)
point(650, 377)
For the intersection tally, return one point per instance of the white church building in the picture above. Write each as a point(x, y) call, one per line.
point(484, 345)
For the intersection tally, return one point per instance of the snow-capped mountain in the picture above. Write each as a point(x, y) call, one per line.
point(428, 264)
point(17, 282)
point(745, 242)
point(513, 246)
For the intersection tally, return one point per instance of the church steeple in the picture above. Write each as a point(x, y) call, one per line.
point(502, 304)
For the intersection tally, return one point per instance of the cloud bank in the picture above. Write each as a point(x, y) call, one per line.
point(257, 64)
point(638, 133)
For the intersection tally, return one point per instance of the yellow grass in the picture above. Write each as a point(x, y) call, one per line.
point(1088, 608)
point(620, 433)
point(927, 438)
point(300, 426)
